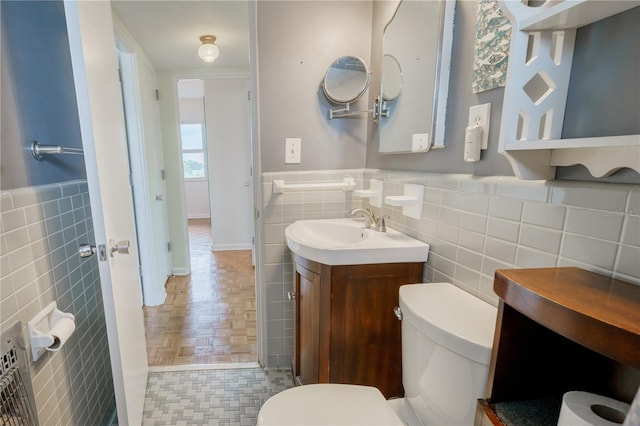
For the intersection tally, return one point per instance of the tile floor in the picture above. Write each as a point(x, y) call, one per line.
point(209, 316)
point(210, 397)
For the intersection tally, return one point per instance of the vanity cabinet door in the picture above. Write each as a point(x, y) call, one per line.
point(307, 326)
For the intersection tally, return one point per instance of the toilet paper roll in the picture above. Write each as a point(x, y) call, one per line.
point(589, 409)
point(61, 331)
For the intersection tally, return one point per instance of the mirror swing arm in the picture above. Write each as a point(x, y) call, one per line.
point(379, 110)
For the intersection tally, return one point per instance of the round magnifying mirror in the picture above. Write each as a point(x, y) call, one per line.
point(392, 81)
point(345, 80)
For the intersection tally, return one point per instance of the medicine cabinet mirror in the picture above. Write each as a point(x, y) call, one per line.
point(417, 46)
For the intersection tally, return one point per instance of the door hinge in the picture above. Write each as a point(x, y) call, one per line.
point(131, 179)
point(120, 74)
point(157, 93)
point(140, 270)
point(169, 246)
point(256, 214)
point(163, 175)
point(253, 241)
point(251, 171)
point(249, 95)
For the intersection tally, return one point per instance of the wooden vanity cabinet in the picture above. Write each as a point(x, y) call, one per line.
point(560, 330)
point(345, 330)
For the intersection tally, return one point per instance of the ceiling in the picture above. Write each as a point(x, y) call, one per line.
point(169, 30)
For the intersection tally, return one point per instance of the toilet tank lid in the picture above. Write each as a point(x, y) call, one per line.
point(451, 317)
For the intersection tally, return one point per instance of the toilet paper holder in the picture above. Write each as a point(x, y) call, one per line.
point(40, 330)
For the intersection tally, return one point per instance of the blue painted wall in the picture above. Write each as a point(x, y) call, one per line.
point(38, 96)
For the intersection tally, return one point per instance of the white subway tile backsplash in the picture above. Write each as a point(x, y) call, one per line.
point(467, 278)
point(476, 203)
point(432, 195)
point(449, 216)
point(514, 188)
point(608, 198)
point(475, 225)
point(452, 199)
point(471, 240)
point(594, 223)
point(490, 265)
point(547, 240)
point(543, 214)
point(590, 251)
point(473, 222)
point(469, 258)
point(631, 230)
point(530, 258)
point(500, 250)
point(505, 208)
point(469, 184)
point(628, 261)
point(503, 229)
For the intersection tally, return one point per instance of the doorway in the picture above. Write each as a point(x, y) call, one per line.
point(209, 316)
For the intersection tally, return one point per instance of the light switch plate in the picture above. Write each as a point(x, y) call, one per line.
point(481, 115)
point(292, 148)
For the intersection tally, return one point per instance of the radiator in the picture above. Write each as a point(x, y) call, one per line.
point(16, 397)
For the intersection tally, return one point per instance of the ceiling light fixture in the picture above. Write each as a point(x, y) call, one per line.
point(208, 52)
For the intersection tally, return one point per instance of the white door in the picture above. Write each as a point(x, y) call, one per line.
point(102, 126)
point(227, 114)
point(153, 143)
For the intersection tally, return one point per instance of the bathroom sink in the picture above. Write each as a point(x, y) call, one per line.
point(348, 242)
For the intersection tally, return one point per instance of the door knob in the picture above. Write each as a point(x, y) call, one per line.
point(159, 197)
point(291, 295)
point(121, 247)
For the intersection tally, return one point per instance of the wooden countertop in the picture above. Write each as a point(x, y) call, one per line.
point(595, 311)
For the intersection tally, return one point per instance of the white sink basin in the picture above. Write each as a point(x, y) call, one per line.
point(348, 242)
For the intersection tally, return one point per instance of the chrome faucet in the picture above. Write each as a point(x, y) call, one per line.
point(372, 222)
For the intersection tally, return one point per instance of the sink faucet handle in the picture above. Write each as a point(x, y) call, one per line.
point(381, 225)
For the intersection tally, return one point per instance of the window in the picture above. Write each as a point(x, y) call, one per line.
point(193, 154)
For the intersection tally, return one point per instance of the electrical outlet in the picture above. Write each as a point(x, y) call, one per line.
point(480, 115)
point(292, 148)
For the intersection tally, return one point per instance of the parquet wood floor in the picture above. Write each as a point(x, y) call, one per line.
point(210, 315)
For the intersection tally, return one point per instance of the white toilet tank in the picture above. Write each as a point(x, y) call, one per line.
point(447, 336)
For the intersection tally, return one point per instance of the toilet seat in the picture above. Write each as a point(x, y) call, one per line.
point(328, 404)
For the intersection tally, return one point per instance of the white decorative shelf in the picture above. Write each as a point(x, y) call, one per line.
point(601, 142)
point(570, 14)
point(347, 184)
point(540, 58)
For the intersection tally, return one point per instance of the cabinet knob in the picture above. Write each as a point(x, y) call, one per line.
point(398, 312)
point(291, 295)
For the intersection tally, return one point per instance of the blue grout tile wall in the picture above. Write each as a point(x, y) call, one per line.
point(40, 231)
point(474, 225)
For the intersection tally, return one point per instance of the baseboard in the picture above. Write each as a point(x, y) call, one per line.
point(193, 367)
point(181, 271)
point(198, 216)
point(230, 247)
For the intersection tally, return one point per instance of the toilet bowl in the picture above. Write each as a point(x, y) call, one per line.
point(447, 336)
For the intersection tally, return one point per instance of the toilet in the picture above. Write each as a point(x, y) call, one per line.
point(447, 336)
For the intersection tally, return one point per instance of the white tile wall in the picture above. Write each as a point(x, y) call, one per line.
point(474, 225)
point(279, 211)
point(40, 230)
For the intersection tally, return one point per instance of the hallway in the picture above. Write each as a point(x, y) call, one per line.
point(209, 316)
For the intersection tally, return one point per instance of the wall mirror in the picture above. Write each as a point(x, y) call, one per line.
point(417, 46)
point(346, 80)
